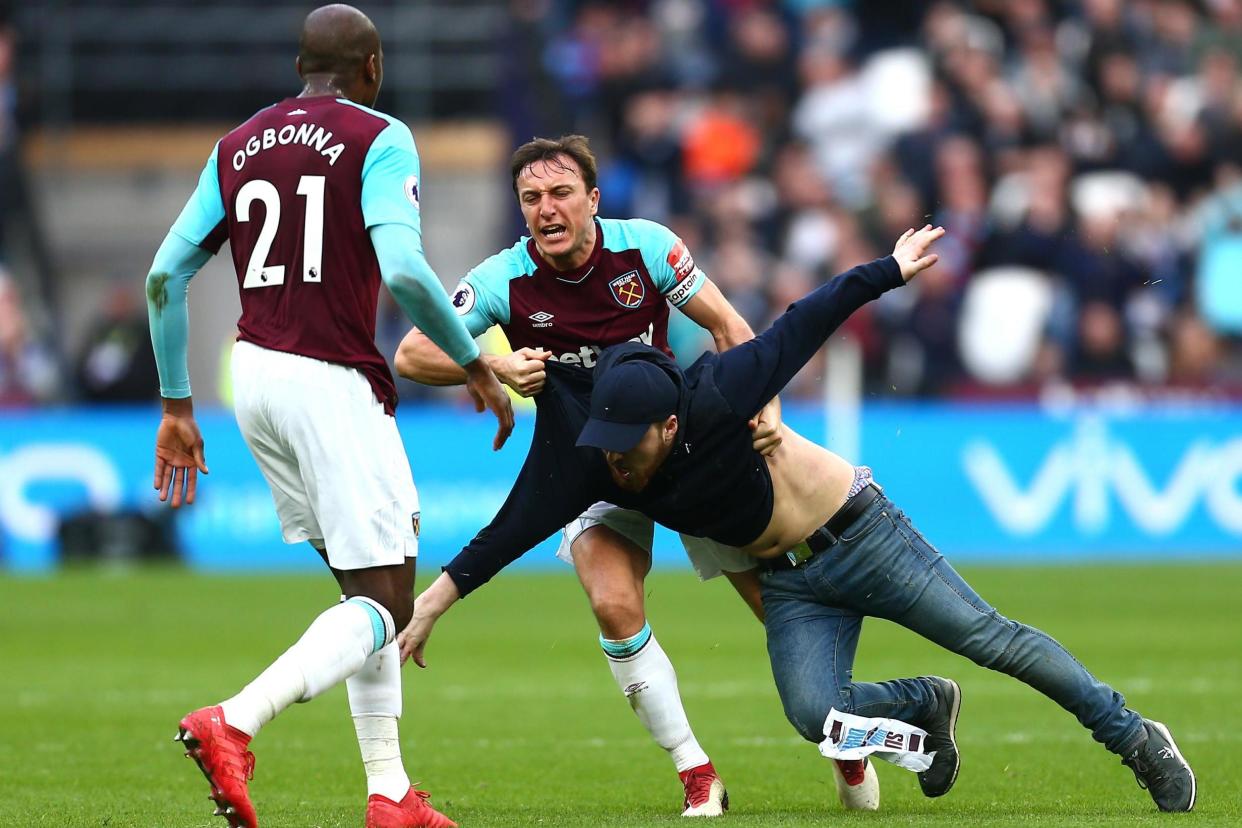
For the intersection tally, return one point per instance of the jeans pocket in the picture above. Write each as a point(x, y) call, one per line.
point(854, 534)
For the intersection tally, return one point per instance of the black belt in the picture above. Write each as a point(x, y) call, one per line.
point(826, 535)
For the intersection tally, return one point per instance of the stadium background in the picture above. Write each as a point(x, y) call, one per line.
point(1064, 388)
point(1070, 373)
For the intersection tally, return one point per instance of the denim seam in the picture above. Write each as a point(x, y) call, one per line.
point(932, 565)
point(836, 648)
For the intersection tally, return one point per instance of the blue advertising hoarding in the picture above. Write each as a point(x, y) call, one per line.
point(983, 483)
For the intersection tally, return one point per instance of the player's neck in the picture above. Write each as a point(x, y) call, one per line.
point(318, 86)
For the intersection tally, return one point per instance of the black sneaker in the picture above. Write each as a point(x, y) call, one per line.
point(941, 730)
point(1160, 769)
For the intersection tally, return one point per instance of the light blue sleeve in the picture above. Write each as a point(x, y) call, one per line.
point(481, 298)
point(390, 180)
point(168, 315)
point(670, 264)
point(204, 212)
point(419, 293)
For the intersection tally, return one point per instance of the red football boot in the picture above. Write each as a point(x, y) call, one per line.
point(220, 751)
point(705, 793)
point(413, 811)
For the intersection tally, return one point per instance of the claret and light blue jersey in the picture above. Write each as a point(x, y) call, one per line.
point(621, 293)
point(319, 199)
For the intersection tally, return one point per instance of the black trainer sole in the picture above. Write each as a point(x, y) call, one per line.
point(953, 714)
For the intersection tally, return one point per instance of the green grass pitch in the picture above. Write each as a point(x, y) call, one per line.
point(517, 721)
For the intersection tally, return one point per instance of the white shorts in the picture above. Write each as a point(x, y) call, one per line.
point(708, 557)
point(333, 458)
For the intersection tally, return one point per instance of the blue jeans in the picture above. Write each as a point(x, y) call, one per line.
point(881, 566)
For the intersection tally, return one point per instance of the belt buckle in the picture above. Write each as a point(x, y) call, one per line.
point(800, 554)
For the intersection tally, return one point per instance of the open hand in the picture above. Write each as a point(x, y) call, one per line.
point(911, 250)
point(178, 458)
point(487, 392)
point(413, 639)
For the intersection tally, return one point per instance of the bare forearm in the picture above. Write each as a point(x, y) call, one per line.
point(437, 598)
point(732, 331)
point(421, 360)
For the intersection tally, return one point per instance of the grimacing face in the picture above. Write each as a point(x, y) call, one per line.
point(558, 210)
point(632, 470)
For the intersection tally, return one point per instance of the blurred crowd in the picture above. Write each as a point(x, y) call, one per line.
point(1085, 158)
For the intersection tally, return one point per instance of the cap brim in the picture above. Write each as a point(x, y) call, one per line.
point(619, 437)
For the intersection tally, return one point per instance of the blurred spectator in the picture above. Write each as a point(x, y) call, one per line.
point(1101, 352)
point(8, 122)
point(833, 117)
point(28, 368)
point(116, 363)
point(1195, 355)
point(721, 142)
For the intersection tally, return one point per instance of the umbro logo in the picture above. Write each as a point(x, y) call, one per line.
point(636, 687)
point(542, 319)
point(298, 112)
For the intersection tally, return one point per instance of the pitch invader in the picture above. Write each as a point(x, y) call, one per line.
point(575, 285)
point(318, 197)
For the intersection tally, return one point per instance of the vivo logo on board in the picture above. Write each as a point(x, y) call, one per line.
point(1092, 470)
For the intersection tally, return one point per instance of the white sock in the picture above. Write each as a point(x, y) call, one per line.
point(375, 702)
point(334, 646)
point(646, 677)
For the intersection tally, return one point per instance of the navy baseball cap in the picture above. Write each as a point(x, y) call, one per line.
point(626, 400)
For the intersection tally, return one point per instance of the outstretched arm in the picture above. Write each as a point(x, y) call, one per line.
point(753, 373)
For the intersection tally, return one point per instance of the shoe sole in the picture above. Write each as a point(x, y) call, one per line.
point(224, 808)
point(1194, 789)
point(957, 754)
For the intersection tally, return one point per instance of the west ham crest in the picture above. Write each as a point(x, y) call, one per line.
point(628, 289)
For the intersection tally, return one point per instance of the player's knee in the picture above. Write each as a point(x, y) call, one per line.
point(620, 615)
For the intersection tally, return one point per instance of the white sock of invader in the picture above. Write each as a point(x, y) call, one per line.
point(375, 703)
point(646, 677)
point(334, 646)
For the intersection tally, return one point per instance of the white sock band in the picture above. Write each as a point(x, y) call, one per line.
point(375, 702)
point(649, 682)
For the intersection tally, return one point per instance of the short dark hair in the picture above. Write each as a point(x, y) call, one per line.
point(575, 147)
